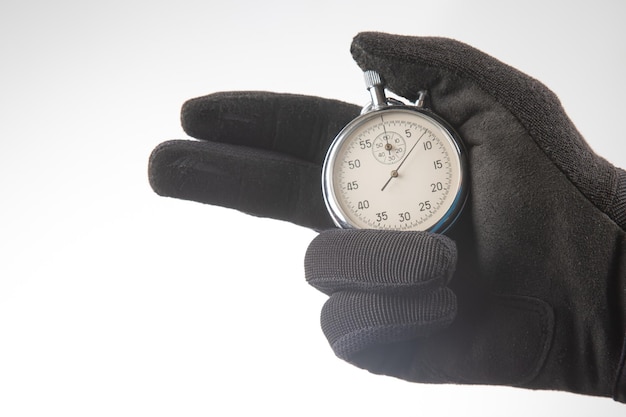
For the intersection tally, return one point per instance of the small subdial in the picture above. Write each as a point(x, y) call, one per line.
point(389, 148)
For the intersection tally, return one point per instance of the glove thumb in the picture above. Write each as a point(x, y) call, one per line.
point(473, 91)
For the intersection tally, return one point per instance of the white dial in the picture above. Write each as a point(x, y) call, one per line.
point(397, 169)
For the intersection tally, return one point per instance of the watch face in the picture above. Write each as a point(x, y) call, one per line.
point(395, 169)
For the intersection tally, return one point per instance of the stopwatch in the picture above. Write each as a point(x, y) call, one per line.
point(395, 167)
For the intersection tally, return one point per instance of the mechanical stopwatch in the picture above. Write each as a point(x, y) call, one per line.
point(395, 167)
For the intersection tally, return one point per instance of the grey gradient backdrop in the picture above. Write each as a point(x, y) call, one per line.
point(114, 301)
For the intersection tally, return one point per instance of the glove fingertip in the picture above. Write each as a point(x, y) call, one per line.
point(356, 322)
point(159, 168)
point(383, 261)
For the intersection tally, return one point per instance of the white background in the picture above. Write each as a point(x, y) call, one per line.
point(114, 301)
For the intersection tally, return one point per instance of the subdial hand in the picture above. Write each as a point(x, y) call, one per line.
point(394, 173)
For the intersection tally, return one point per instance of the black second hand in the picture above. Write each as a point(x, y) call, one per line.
point(394, 173)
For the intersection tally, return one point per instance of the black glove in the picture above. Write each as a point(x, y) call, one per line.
point(531, 295)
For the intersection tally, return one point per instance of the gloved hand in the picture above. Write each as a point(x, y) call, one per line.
point(527, 289)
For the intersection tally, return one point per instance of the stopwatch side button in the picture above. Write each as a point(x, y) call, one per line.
point(372, 79)
point(376, 88)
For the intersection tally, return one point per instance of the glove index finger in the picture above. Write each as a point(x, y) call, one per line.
point(296, 125)
point(379, 261)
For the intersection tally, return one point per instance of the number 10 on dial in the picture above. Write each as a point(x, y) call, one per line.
point(395, 167)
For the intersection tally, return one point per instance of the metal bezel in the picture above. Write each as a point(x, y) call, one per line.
point(330, 198)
